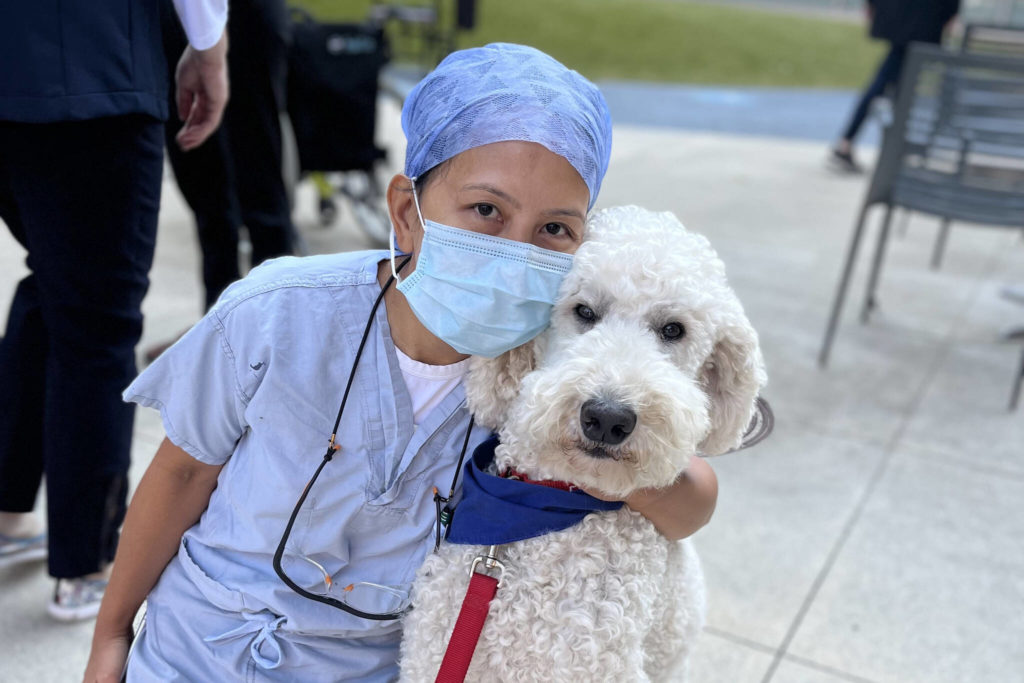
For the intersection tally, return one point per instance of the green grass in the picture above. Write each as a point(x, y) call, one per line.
point(666, 40)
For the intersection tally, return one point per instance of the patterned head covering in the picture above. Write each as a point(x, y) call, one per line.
point(506, 92)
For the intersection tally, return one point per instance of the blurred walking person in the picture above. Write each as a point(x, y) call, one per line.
point(234, 178)
point(83, 91)
point(898, 22)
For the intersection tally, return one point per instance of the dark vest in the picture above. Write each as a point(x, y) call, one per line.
point(67, 60)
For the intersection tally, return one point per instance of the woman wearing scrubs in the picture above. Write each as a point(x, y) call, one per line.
point(261, 554)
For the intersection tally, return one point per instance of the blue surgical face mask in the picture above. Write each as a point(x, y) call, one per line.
point(479, 294)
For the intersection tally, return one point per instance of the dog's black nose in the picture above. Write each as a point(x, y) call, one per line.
point(606, 421)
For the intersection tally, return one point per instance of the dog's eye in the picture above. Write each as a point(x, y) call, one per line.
point(586, 313)
point(673, 331)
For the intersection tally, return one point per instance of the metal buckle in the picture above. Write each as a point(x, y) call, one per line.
point(490, 562)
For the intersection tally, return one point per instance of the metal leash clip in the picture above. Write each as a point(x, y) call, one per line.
point(490, 563)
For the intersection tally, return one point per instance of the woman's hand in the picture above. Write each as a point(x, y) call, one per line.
point(681, 509)
point(107, 658)
point(171, 497)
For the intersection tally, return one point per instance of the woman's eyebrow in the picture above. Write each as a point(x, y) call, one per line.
point(571, 213)
point(495, 191)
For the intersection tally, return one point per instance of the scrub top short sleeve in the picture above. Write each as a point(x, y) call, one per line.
point(260, 379)
point(195, 386)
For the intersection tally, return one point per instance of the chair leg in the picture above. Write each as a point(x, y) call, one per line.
point(1017, 382)
point(940, 244)
point(876, 265)
point(904, 223)
point(844, 283)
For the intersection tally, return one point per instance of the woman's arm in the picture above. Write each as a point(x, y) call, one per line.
point(170, 498)
point(679, 510)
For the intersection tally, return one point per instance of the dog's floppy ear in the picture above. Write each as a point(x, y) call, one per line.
point(732, 377)
point(493, 383)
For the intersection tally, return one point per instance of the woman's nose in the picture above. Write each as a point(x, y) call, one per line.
point(516, 230)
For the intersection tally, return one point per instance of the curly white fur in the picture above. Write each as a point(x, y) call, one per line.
point(608, 599)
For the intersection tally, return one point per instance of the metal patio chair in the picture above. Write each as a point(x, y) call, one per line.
point(993, 39)
point(988, 39)
point(955, 150)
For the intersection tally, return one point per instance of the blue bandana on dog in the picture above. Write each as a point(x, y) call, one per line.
point(495, 510)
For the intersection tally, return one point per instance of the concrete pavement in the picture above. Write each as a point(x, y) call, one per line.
point(794, 113)
point(876, 535)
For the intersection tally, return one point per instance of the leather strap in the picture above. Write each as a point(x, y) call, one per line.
point(467, 628)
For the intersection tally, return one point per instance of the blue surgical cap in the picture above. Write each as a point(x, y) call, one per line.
point(504, 92)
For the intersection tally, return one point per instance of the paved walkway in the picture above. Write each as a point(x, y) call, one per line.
point(876, 537)
point(802, 114)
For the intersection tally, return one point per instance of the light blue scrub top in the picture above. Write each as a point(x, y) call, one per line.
point(255, 386)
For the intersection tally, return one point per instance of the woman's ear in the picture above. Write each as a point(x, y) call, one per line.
point(402, 211)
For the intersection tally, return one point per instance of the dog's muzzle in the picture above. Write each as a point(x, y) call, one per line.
point(607, 422)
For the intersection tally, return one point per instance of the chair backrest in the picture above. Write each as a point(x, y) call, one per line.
point(955, 148)
point(993, 39)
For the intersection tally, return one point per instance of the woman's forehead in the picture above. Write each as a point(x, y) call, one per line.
point(521, 169)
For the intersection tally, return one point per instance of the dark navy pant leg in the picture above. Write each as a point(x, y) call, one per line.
point(258, 64)
point(888, 73)
point(87, 195)
point(22, 367)
point(205, 176)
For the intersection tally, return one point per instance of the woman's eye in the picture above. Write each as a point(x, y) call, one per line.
point(584, 312)
point(672, 331)
point(555, 229)
point(485, 210)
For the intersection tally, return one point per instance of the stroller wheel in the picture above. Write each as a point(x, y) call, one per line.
point(328, 211)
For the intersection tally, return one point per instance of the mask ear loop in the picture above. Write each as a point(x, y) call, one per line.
point(391, 244)
point(416, 201)
point(391, 233)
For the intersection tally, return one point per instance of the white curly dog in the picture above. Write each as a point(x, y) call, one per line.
point(649, 360)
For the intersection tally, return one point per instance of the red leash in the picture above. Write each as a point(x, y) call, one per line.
point(482, 588)
point(471, 619)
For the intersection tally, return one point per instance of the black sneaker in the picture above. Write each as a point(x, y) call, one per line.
point(844, 161)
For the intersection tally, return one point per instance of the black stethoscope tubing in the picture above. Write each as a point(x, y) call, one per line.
point(333, 448)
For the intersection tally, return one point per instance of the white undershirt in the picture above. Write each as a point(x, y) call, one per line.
point(203, 21)
point(428, 385)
